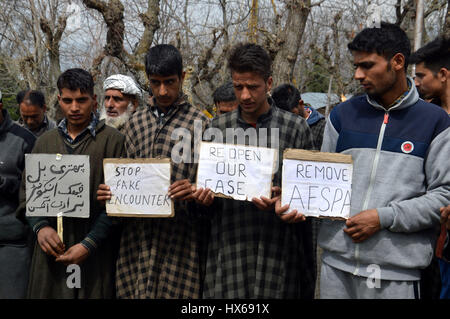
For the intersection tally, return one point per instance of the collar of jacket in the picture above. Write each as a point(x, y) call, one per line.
point(92, 127)
point(314, 117)
point(46, 124)
point(7, 122)
point(263, 117)
point(411, 98)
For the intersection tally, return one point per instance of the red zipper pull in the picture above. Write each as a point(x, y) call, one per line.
point(386, 118)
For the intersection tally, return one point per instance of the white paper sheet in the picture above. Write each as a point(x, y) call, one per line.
point(317, 188)
point(138, 188)
point(240, 172)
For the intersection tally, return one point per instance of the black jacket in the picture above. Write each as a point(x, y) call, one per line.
point(15, 141)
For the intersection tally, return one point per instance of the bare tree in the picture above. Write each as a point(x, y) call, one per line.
point(306, 39)
point(53, 31)
point(113, 16)
point(289, 40)
point(35, 28)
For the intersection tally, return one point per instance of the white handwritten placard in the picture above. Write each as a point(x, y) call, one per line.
point(236, 171)
point(317, 184)
point(139, 187)
point(57, 184)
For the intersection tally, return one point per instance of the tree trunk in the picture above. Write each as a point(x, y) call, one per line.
point(407, 20)
point(113, 15)
point(53, 39)
point(151, 23)
point(446, 30)
point(291, 37)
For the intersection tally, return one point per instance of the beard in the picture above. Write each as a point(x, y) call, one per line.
point(119, 121)
point(384, 86)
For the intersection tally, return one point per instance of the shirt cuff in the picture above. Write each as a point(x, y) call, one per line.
point(89, 244)
point(386, 215)
point(37, 227)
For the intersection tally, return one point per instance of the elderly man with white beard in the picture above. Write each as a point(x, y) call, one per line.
point(122, 97)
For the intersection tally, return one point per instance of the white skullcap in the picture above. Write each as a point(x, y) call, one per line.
point(123, 83)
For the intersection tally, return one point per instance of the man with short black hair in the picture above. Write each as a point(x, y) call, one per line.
point(15, 243)
point(400, 146)
point(162, 257)
point(288, 98)
point(433, 82)
point(252, 253)
point(433, 72)
point(87, 241)
point(225, 99)
point(33, 109)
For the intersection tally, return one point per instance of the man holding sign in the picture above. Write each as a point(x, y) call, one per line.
point(400, 146)
point(252, 253)
point(162, 257)
point(86, 241)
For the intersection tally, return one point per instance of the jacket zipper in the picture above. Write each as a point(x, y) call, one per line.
point(372, 180)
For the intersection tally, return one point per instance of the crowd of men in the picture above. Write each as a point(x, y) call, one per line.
point(394, 245)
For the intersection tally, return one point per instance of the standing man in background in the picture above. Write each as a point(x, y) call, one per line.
point(433, 72)
point(225, 99)
point(433, 82)
point(288, 98)
point(122, 98)
point(33, 115)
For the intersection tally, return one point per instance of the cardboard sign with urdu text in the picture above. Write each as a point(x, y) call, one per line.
point(57, 185)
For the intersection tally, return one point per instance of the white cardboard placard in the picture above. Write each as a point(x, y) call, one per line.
point(139, 187)
point(236, 171)
point(317, 184)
